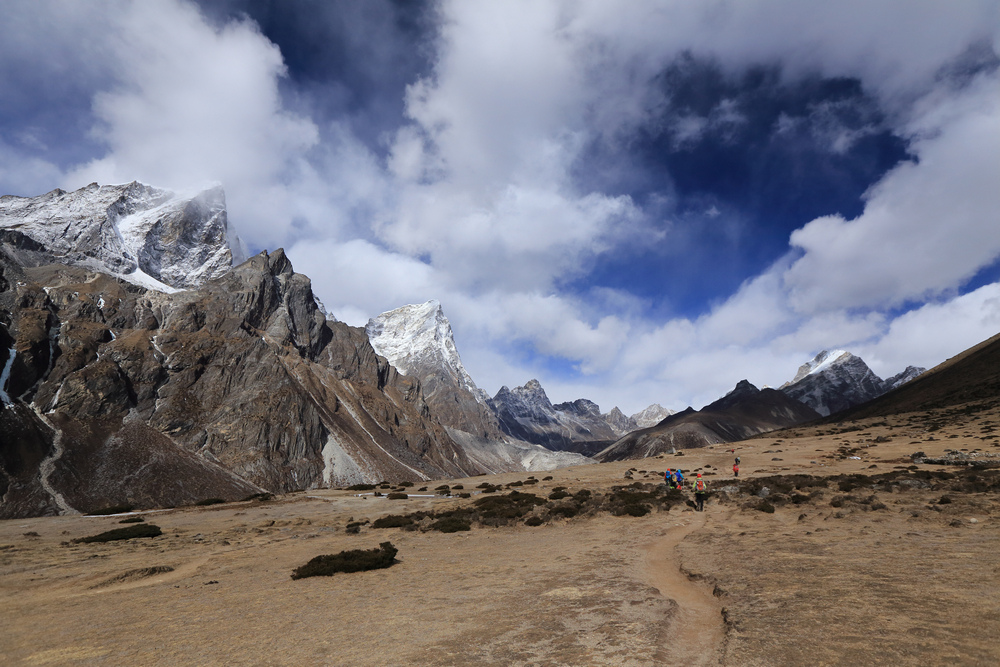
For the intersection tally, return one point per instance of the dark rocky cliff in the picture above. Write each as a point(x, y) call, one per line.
point(121, 395)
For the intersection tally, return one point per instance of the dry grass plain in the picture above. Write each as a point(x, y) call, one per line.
point(881, 574)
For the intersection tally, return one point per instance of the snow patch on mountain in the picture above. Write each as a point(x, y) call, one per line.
point(418, 337)
point(145, 235)
point(651, 416)
point(837, 380)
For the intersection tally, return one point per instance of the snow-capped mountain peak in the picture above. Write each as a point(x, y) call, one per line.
point(418, 337)
point(153, 237)
point(820, 363)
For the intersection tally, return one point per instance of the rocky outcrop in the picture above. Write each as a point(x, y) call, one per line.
point(838, 380)
point(744, 412)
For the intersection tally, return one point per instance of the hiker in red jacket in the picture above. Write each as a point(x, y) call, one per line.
point(736, 468)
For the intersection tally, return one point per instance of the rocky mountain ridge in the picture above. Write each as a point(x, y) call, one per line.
point(148, 236)
point(838, 380)
point(526, 413)
point(744, 412)
point(418, 340)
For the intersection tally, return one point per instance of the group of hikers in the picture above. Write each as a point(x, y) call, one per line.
point(675, 480)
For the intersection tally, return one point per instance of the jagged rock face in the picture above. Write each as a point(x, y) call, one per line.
point(527, 414)
point(131, 230)
point(838, 380)
point(744, 412)
point(898, 380)
point(418, 341)
point(118, 394)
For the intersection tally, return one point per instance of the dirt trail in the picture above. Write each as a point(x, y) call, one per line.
point(697, 633)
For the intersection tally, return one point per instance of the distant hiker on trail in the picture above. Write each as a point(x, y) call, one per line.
point(736, 468)
point(679, 477)
point(700, 490)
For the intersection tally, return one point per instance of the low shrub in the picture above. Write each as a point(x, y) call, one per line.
point(944, 500)
point(209, 501)
point(262, 497)
point(354, 560)
point(547, 478)
point(132, 519)
point(458, 486)
point(765, 506)
point(361, 487)
point(397, 496)
point(393, 521)
point(451, 524)
point(465, 495)
point(631, 509)
point(354, 527)
point(406, 484)
point(443, 487)
point(567, 511)
point(558, 495)
point(533, 521)
point(127, 533)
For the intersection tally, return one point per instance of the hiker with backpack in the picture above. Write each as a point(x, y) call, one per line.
point(700, 491)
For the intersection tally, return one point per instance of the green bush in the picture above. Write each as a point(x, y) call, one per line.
point(127, 533)
point(354, 560)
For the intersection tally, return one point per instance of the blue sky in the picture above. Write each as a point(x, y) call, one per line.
point(634, 202)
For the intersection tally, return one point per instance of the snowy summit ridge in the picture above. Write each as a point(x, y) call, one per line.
point(417, 338)
point(149, 236)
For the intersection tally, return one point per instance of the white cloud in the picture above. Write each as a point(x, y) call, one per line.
point(192, 104)
point(927, 226)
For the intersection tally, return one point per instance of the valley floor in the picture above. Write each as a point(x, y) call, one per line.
point(866, 572)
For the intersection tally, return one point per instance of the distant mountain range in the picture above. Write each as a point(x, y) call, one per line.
point(143, 362)
point(740, 414)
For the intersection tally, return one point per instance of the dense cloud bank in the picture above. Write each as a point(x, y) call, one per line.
point(634, 202)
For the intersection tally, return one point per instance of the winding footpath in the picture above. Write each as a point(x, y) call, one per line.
point(697, 632)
